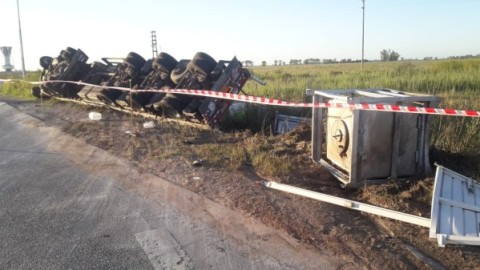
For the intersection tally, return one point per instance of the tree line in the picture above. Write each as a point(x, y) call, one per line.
point(385, 56)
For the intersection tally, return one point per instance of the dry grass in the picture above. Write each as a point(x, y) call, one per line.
point(414, 196)
point(268, 164)
point(230, 156)
point(242, 150)
point(16, 88)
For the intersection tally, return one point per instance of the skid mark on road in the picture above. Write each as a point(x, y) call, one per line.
point(163, 250)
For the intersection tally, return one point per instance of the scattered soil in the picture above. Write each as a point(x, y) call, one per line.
point(169, 149)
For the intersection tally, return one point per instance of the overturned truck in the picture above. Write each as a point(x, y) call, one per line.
point(106, 82)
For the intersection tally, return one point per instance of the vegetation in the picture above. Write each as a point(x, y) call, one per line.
point(389, 55)
point(18, 89)
point(456, 81)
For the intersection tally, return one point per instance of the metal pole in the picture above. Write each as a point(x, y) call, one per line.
point(21, 41)
point(359, 206)
point(363, 32)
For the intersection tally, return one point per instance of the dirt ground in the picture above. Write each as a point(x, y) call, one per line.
point(170, 149)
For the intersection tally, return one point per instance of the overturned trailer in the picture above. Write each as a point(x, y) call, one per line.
point(106, 82)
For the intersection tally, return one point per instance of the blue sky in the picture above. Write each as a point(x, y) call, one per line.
point(251, 30)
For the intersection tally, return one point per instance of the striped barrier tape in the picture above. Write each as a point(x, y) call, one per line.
point(279, 102)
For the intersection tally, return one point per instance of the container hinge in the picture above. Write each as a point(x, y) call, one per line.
point(419, 121)
point(470, 186)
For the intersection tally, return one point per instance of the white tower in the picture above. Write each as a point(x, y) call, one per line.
point(7, 52)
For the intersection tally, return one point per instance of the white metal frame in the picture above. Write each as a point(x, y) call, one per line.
point(434, 223)
point(363, 207)
point(462, 218)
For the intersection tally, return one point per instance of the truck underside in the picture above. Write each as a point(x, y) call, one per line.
point(113, 81)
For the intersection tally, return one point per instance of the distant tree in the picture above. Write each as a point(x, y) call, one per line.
point(311, 61)
point(295, 61)
point(389, 55)
point(275, 62)
point(384, 55)
point(264, 63)
point(248, 63)
point(394, 56)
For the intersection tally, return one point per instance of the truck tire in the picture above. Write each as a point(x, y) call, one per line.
point(179, 71)
point(122, 100)
point(68, 53)
point(191, 111)
point(156, 98)
point(172, 105)
point(147, 67)
point(70, 50)
point(108, 96)
point(202, 63)
point(165, 63)
point(36, 91)
point(134, 60)
point(45, 61)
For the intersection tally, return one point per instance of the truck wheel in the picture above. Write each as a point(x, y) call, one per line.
point(68, 53)
point(147, 67)
point(36, 91)
point(70, 50)
point(179, 71)
point(134, 60)
point(156, 98)
point(202, 63)
point(122, 100)
point(45, 61)
point(191, 111)
point(164, 62)
point(172, 105)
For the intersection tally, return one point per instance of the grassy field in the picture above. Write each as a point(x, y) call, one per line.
point(457, 82)
point(18, 89)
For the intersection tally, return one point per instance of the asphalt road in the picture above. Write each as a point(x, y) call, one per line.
point(68, 205)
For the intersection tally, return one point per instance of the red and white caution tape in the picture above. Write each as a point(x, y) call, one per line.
point(279, 102)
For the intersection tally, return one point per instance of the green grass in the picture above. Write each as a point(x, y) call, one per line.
point(18, 89)
point(432, 77)
point(457, 82)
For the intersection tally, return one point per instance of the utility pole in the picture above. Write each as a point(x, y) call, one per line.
point(21, 41)
point(363, 32)
point(154, 44)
